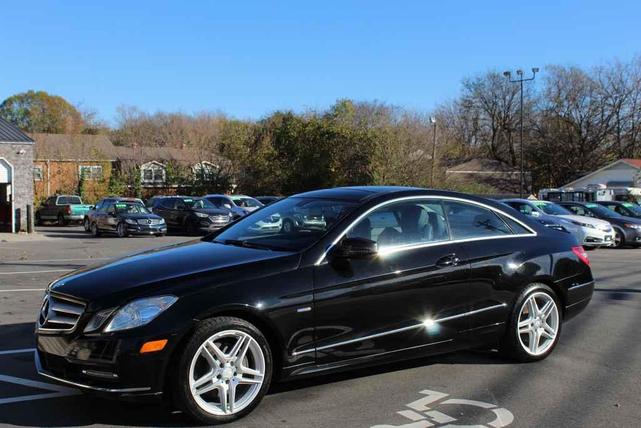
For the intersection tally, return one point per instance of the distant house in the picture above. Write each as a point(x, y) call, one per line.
point(16, 181)
point(487, 176)
point(622, 173)
point(61, 161)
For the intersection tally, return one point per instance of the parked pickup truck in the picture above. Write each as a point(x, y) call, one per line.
point(62, 209)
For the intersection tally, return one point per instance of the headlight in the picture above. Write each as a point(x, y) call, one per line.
point(130, 221)
point(161, 220)
point(578, 223)
point(202, 215)
point(632, 226)
point(139, 312)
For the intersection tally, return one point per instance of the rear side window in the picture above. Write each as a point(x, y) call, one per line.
point(471, 221)
point(515, 226)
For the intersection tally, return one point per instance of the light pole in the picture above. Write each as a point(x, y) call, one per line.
point(433, 121)
point(520, 81)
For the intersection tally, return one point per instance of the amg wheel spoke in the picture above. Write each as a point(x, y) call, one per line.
point(533, 309)
point(231, 391)
point(238, 347)
point(249, 371)
point(213, 363)
point(533, 341)
point(203, 380)
point(547, 309)
point(206, 389)
point(247, 381)
point(548, 331)
point(525, 329)
point(220, 355)
point(525, 323)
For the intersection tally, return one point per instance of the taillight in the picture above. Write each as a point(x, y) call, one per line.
point(68, 209)
point(581, 254)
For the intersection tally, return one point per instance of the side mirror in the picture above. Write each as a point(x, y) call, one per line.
point(92, 207)
point(355, 248)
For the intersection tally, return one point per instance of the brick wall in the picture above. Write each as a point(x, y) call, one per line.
point(63, 176)
point(22, 182)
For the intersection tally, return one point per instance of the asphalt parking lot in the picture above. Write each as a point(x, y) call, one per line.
point(592, 379)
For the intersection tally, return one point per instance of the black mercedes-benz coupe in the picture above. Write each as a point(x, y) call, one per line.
point(395, 273)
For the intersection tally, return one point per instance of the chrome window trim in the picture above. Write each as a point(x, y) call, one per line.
point(399, 330)
point(394, 249)
point(574, 287)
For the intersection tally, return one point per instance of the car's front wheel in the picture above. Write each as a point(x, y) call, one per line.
point(535, 324)
point(121, 230)
point(94, 230)
point(86, 224)
point(619, 239)
point(224, 370)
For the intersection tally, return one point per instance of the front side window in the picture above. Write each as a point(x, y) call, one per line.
point(403, 223)
point(471, 221)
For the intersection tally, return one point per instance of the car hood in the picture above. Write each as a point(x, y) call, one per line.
point(587, 220)
point(171, 270)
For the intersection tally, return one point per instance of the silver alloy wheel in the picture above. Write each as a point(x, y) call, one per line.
point(538, 323)
point(86, 225)
point(227, 372)
point(121, 230)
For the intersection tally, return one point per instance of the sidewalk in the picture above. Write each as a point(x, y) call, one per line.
point(22, 237)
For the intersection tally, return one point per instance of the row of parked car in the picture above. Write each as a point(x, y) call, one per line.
point(132, 216)
point(594, 224)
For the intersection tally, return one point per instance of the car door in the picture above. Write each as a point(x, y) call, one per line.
point(180, 212)
point(393, 301)
point(164, 208)
point(47, 210)
point(493, 242)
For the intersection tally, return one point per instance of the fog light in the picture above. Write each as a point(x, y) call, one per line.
point(153, 346)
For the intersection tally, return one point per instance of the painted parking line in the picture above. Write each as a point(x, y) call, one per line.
point(36, 271)
point(17, 290)
point(54, 391)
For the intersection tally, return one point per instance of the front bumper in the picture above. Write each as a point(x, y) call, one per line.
point(104, 364)
point(146, 229)
point(598, 238)
point(632, 236)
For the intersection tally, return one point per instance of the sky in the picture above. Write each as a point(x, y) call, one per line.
point(250, 58)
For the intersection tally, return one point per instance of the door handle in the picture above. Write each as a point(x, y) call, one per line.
point(449, 260)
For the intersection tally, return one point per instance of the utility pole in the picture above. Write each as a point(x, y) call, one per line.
point(520, 81)
point(433, 121)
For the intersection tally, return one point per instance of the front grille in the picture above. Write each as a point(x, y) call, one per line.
point(219, 218)
point(59, 313)
point(148, 221)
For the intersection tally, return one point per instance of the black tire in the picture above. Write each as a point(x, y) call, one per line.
point(159, 235)
point(511, 345)
point(61, 220)
point(205, 330)
point(86, 224)
point(288, 226)
point(121, 230)
point(619, 239)
point(94, 230)
point(590, 248)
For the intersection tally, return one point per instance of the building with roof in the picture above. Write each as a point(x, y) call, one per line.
point(487, 176)
point(16, 177)
point(621, 173)
point(62, 161)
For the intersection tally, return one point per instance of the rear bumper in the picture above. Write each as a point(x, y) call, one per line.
point(579, 295)
point(74, 217)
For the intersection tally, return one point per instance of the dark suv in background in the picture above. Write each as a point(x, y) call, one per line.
point(189, 214)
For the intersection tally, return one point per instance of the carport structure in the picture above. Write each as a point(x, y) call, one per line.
point(16, 177)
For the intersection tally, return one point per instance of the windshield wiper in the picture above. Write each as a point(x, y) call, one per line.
point(247, 244)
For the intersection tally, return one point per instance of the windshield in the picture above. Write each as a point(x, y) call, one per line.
point(130, 208)
point(198, 203)
point(636, 209)
point(602, 211)
point(246, 202)
point(551, 209)
point(289, 225)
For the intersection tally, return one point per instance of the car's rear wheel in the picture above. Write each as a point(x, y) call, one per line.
point(61, 220)
point(86, 224)
point(224, 370)
point(535, 324)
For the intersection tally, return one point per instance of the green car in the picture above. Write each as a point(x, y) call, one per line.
point(63, 209)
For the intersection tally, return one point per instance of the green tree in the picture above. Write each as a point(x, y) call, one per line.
point(38, 111)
